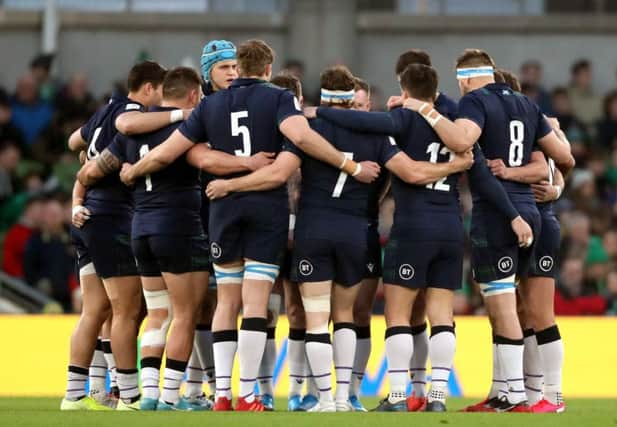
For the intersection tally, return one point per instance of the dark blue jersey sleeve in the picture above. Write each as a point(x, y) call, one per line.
point(86, 130)
point(288, 106)
point(387, 150)
point(291, 148)
point(469, 107)
point(194, 128)
point(118, 147)
point(544, 128)
point(362, 121)
point(488, 187)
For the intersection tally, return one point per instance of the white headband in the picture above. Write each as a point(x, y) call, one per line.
point(466, 73)
point(336, 96)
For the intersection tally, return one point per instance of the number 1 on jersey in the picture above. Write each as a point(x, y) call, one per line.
point(143, 150)
point(237, 129)
point(340, 182)
point(434, 150)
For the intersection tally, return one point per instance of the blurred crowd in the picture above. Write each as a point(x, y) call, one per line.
point(37, 173)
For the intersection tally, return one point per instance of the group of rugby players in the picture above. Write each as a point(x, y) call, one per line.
point(184, 177)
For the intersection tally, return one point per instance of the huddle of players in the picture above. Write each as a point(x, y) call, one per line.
point(257, 139)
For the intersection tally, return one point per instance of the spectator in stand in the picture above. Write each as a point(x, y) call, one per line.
point(31, 115)
point(573, 298)
point(611, 293)
point(606, 129)
point(574, 129)
point(49, 258)
point(18, 235)
point(40, 68)
point(531, 85)
point(8, 132)
point(586, 105)
point(9, 158)
point(75, 100)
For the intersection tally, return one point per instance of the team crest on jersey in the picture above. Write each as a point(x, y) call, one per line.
point(305, 267)
point(406, 271)
point(546, 263)
point(215, 250)
point(505, 264)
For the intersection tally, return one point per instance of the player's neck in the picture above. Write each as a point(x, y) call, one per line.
point(176, 103)
point(264, 77)
point(480, 82)
point(137, 97)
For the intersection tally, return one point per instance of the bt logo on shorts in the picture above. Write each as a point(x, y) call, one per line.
point(546, 263)
point(305, 267)
point(505, 264)
point(406, 271)
point(216, 250)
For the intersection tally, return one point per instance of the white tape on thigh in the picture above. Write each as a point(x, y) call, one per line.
point(157, 300)
point(321, 329)
point(254, 270)
point(228, 275)
point(274, 307)
point(498, 287)
point(87, 269)
point(316, 304)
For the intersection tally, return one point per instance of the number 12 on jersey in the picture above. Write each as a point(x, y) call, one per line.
point(342, 178)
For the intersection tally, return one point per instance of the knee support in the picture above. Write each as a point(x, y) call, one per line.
point(254, 270)
point(157, 300)
point(228, 275)
point(498, 287)
point(317, 304)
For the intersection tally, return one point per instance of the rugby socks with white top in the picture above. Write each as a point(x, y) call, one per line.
point(363, 352)
point(268, 362)
point(194, 376)
point(98, 369)
point(399, 348)
point(550, 347)
point(499, 386)
point(224, 345)
point(442, 347)
point(172, 379)
point(111, 363)
point(76, 383)
point(150, 377)
point(128, 384)
point(344, 345)
point(510, 354)
point(417, 366)
point(296, 354)
point(319, 354)
point(251, 344)
point(532, 367)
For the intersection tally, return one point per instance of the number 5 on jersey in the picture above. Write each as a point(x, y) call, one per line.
point(238, 129)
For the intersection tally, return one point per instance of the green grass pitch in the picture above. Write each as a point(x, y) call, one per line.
point(27, 411)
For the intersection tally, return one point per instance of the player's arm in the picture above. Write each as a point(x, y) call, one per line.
point(93, 170)
point(422, 173)
point(79, 214)
point(137, 122)
point(556, 146)
point(360, 121)
point(459, 135)
point(76, 141)
point(266, 178)
point(534, 171)
point(217, 162)
point(298, 131)
point(544, 191)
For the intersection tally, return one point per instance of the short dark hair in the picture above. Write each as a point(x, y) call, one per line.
point(253, 57)
point(360, 84)
point(287, 80)
point(179, 82)
point(474, 58)
point(580, 65)
point(413, 56)
point(420, 81)
point(338, 77)
point(145, 72)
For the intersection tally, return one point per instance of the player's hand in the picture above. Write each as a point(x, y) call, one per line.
point(394, 101)
point(79, 216)
point(126, 174)
point(368, 173)
point(259, 160)
point(498, 168)
point(82, 157)
point(463, 161)
point(523, 232)
point(415, 105)
point(310, 112)
point(186, 113)
point(544, 191)
point(217, 189)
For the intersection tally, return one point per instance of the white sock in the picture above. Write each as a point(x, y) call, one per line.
point(510, 354)
point(76, 382)
point(417, 366)
point(194, 377)
point(441, 351)
point(344, 346)
point(172, 379)
point(224, 346)
point(203, 345)
point(296, 355)
point(319, 353)
point(111, 362)
point(268, 362)
point(311, 383)
point(251, 345)
point(550, 347)
point(98, 370)
point(532, 368)
point(363, 352)
point(499, 386)
point(150, 377)
point(399, 348)
point(128, 384)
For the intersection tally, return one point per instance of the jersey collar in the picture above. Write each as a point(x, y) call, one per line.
point(246, 82)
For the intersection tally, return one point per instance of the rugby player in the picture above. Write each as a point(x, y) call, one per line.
point(492, 113)
point(248, 232)
point(106, 237)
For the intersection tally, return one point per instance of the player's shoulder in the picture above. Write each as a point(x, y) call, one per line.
point(446, 105)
